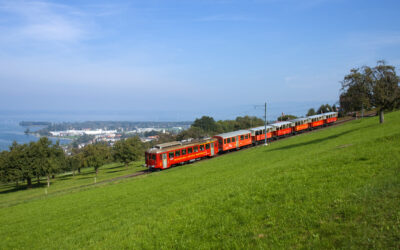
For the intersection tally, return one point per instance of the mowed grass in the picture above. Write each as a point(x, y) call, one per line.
point(333, 188)
point(65, 183)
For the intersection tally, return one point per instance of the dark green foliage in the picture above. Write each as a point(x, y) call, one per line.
point(286, 117)
point(311, 112)
point(192, 132)
point(368, 87)
point(128, 150)
point(324, 109)
point(96, 155)
point(205, 123)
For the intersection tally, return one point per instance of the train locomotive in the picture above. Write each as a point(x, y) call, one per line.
point(166, 155)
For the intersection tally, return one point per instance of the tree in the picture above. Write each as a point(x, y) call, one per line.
point(206, 123)
point(96, 155)
point(286, 117)
point(128, 150)
point(19, 163)
point(311, 112)
point(324, 109)
point(367, 87)
point(192, 132)
point(386, 90)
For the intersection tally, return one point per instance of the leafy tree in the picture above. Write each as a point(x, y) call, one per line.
point(206, 123)
point(367, 87)
point(386, 90)
point(96, 155)
point(324, 109)
point(19, 163)
point(286, 117)
point(311, 112)
point(128, 150)
point(192, 132)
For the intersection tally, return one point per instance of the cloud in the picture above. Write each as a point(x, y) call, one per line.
point(43, 21)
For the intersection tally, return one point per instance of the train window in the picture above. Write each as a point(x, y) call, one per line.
point(246, 137)
point(219, 141)
point(160, 157)
point(201, 147)
point(183, 151)
point(233, 139)
point(196, 148)
point(190, 150)
point(153, 157)
point(177, 153)
point(224, 141)
point(171, 155)
point(242, 137)
point(208, 146)
point(228, 140)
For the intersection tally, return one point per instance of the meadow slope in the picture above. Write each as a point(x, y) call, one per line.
point(334, 188)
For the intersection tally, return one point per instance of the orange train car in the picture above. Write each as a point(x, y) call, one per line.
point(330, 117)
point(165, 155)
point(316, 121)
point(258, 133)
point(233, 140)
point(300, 124)
point(282, 128)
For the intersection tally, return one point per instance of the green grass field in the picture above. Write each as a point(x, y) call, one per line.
point(334, 188)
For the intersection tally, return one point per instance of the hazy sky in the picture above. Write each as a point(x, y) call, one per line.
point(166, 56)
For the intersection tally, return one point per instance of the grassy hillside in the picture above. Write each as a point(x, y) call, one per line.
point(338, 187)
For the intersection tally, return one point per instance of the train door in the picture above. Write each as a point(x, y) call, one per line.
point(237, 141)
point(164, 160)
point(212, 149)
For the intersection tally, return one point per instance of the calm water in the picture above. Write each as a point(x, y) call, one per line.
point(10, 131)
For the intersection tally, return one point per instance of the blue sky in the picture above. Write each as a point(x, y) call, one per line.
point(188, 57)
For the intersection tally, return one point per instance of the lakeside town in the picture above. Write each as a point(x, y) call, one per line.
point(81, 134)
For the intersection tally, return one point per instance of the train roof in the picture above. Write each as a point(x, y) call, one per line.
point(169, 146)
point(261, 128)
point(234, 133)
point(300, 119)
point(317, 116)
point(330, 113)
point(278, 124)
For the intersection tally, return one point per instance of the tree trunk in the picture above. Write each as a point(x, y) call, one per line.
point(53, 176)
point(381, 118)
point(48, 181)
point(38, 180)
point(29, 182)
point(79, 170)
point(97, 171)
point(73, 173)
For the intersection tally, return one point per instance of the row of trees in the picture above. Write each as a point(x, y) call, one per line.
point(371, 87)
point(324, 108)
point(207, 126)
point(27, 162)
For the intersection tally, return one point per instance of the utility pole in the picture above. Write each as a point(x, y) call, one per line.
point(265, 124)
point(362, 111)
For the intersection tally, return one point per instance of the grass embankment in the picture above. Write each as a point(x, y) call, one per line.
point(65, 183)
point(338, 187)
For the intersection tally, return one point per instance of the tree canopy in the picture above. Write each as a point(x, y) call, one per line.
point(368, 87)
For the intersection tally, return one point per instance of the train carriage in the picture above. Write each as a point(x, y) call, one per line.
point(165, 155)
point(282, 128)
point(300, 124)
point(258, 133)
point(330, 118)
point(316, 121)
point(233, 140)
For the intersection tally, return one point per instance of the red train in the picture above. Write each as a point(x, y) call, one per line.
point(169, 154)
